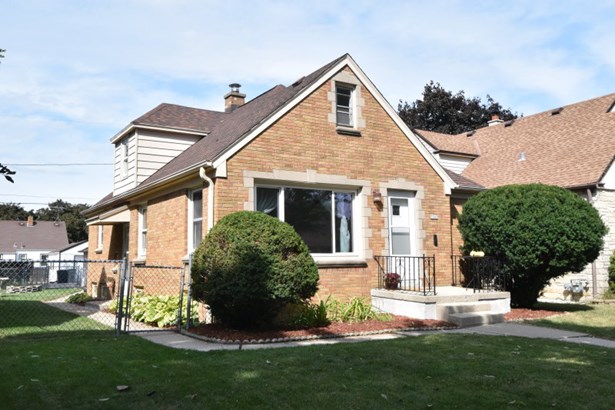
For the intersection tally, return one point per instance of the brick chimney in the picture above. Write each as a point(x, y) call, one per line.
point(234, 98)
point(495, 120)
point(30, 220)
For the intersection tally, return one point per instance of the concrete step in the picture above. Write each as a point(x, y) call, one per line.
point(445, 310)
point(475, 318)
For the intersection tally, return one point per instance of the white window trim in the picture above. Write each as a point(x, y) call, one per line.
point(334, 258)
point(99, 239)
point(191, 219)
point(142, 247)
point(124, 158)
point(351, 104)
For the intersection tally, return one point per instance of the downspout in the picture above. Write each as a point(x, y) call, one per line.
point(594, 272)
point(210, 197)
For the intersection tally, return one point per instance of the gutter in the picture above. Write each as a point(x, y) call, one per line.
point(210, 195)
point(141, 188)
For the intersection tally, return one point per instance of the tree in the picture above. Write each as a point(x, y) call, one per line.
point(249, 267)
point(2, 51)
point(442, 111)
point(13, 212)
point(6, 172)
point(70, 214)
point(540, 231)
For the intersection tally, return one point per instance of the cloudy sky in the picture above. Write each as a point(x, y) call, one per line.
point(76, 72)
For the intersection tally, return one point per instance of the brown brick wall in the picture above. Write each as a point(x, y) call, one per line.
point(304, 139)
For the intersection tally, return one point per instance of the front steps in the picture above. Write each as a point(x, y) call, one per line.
point(469, 314)
point(453, 304)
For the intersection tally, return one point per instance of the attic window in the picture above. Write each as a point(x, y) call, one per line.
point(344, 102)
point(470, 133)
point(508, 123)
point(612, 108)
point(557, 111)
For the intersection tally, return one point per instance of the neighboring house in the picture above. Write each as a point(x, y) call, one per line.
point(68, 260)
point(328, 154)
point(31, 240)
point(571, 147)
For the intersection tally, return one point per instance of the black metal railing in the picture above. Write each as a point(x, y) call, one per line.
point(480, 273)
point(408, 273)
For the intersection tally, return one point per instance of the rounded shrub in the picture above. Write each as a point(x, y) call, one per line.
point(249, 267)
point(540, 231)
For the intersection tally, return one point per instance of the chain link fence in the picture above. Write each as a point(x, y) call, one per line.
point(50, 298)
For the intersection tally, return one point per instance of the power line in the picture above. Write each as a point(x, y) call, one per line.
point(48, 196)
point(63, 164)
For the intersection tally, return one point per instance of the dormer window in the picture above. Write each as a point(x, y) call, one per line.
point(124, 158)
point(344, 104)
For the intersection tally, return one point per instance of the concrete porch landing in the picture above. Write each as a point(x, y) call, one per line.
point(453, 304)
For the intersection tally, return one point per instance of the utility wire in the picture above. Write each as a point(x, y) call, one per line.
point(64, 164)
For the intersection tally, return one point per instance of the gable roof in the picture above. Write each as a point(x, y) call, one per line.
point(449, 144)
point(228, 132)
point(572, 146)
point(43, 235)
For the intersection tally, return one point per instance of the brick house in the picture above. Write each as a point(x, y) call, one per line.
point(328, 154)
point(571, 147)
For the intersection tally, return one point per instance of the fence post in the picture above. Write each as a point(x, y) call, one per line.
point(122, 293)
point(180, 305)
point(189, 306)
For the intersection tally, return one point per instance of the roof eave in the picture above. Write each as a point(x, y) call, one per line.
point(125, 196)
point(131, 127)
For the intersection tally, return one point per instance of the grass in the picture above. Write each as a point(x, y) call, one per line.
point(438, 371)
point(25, 314)
point(596, 319)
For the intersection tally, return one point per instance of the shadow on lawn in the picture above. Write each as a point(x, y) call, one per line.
point(562, 307)
point(27, 318)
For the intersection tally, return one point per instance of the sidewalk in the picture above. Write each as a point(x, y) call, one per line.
point(180, 341)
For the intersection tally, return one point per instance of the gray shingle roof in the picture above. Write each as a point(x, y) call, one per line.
point(43, 235)
point(230, 128)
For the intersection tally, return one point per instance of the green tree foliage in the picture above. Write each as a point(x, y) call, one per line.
point(541, 232)
point(612, 272)
point(249, 267)
point(442, 111)
point(6, 172)
point(13, 212)
point(71, 215)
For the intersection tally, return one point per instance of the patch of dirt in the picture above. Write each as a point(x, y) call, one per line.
point(517, 314)
point(336, 329)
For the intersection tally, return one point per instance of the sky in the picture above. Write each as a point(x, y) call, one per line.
point(76, 72)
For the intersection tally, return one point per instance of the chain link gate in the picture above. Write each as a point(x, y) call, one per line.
point(150, 298)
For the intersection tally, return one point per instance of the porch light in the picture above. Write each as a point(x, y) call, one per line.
point(377, 196)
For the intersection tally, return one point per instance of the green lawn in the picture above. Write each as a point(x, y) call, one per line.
point(431, 371)
point(595, 319)
point(25, 314)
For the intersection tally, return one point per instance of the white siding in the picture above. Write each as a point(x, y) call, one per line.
point(122, 183)
point(148, 151)
point(453, 163)
point(156, 149)
point(609, 178)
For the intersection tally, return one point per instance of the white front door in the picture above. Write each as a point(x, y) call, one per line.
point(401, 236)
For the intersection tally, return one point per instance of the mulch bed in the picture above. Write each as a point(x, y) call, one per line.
point(223, 334)
point(516, 315)
point(220, 333)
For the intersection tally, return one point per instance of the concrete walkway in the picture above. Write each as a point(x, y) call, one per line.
point(180, 341)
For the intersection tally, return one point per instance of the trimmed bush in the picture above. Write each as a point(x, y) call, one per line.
point(249, 267)
point(612, 272)
point(540, 231)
